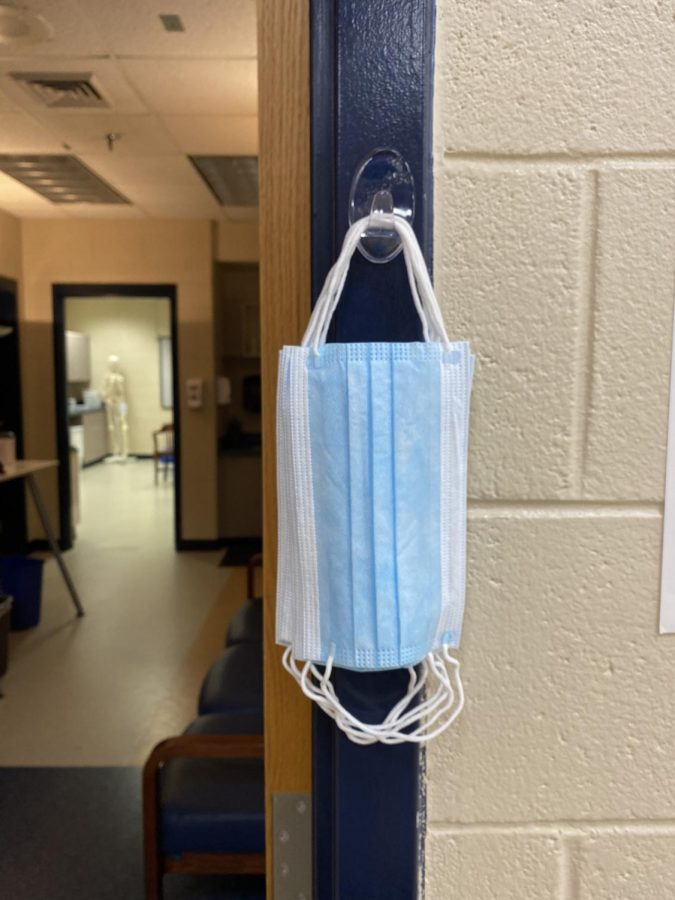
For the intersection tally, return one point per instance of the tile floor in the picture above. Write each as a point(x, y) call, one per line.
point(103, 689)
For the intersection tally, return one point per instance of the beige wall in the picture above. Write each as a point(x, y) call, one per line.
point(130, 328)
point(555, 253)
point(133, 252)
point(10, 246)
point(236, 242)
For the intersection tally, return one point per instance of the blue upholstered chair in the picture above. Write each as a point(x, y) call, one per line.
point(234, 683)
point(204, 805)
point(203, 791)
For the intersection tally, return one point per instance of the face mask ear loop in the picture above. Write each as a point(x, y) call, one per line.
point(424, 732)
point(415, 685)
point(439, 697)
point(427, 316)
point(419, 267)
point(429, 735)
point(349, 245)
point(357, 731)
point(415, 294)
point(324, 309)
point(362, 733)
point(383, 731)
point(421, 273)
point(321, 306)
point(330, 289)
point(322, 301)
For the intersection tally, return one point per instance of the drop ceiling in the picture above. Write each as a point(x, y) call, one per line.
point(170, 95)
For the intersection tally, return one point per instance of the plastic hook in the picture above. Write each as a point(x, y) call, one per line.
point(382, 188)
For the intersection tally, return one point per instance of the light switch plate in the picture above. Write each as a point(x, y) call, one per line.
point(292, 822)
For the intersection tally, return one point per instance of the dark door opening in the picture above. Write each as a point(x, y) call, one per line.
point(168, 385)
point(13, 535)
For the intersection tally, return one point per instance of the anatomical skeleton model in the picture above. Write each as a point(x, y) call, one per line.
point(115, 398)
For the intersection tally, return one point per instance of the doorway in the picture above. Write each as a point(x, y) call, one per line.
point(118, 427)
point(13, 535)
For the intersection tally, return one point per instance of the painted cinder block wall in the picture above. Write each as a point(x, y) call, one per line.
point(555, 255)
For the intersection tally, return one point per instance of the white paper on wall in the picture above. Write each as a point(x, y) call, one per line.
point(667, 619)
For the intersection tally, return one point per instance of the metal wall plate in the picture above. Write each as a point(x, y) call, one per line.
point(292, 825)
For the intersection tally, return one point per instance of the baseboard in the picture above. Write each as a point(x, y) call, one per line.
point(100, 459)
point(95, 462)
point(200, 544)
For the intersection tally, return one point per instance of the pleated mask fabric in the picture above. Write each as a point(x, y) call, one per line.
point(372, 465)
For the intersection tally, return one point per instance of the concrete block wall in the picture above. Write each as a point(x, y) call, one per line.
point(555, 256)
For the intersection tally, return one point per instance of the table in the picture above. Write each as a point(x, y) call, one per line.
point(26, 468)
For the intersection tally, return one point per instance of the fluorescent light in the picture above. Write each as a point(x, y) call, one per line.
point(233, 180)
point(60, 178)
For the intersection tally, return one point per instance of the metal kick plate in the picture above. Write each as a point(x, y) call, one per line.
point(292, 821)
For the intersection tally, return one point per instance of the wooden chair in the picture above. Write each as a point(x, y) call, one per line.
point(230, 859)
point(163, 444)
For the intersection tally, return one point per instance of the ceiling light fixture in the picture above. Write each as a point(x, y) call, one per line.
point(233, 180)
point(20, 26)
point(60, 179)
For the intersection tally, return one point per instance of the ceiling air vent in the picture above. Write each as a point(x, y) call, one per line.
point(172, 22)
point(62, 90)
point(233, 180)
point(59, 178)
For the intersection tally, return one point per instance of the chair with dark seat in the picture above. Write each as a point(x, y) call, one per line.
point(203, 801)
point(234, 683)
point(163, 450)
point(246, 624)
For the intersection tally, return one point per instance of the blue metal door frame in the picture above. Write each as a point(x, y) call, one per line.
point(372, 87)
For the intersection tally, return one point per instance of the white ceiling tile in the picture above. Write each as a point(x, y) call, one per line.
point(213, 28)
point(6, 104)
point(196, 86)
point(20, 133)
point(170, 93)
point(104, 211)
point(107, 75)
point(241, 213)
point(164, 183)
point(164, 172)
point(153, 196)
point(140, 135)
point(225, 135)
point(180, 211)
point(15, 196)
point(75, 34)
point(30, 212)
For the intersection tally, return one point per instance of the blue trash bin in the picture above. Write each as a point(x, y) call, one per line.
point(21, 578)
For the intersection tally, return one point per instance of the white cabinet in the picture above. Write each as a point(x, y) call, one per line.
point(78, 357)
point(95, 436)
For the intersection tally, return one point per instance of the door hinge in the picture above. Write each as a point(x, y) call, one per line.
point(292, 824)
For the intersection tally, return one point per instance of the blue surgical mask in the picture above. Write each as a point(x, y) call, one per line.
point(372, 465)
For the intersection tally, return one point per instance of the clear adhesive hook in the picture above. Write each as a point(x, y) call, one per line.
point(381, 216)
point(382, 187)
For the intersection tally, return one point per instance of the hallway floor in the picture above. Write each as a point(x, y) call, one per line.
point(102, 690)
